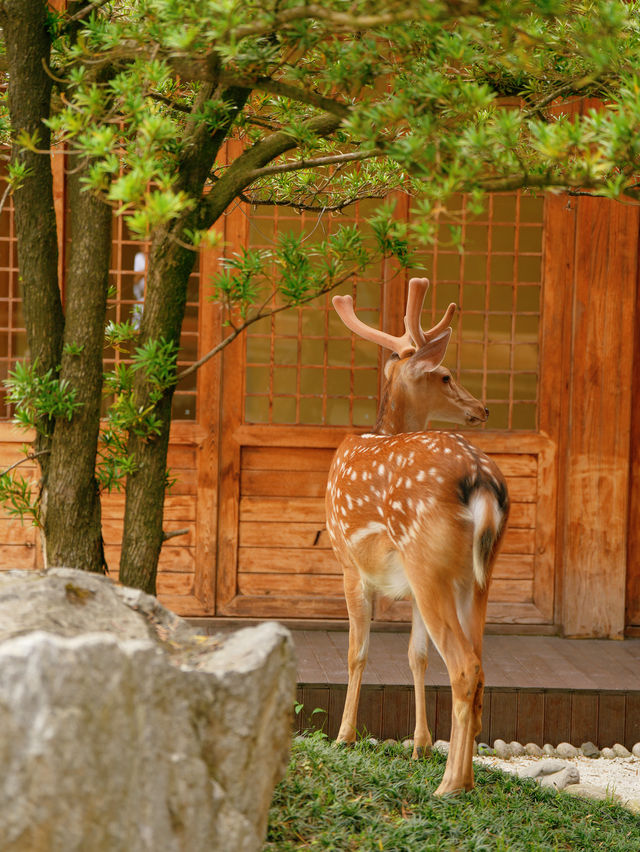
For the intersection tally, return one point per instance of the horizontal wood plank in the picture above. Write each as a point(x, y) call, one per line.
point(313, 561)
point(312, 510)
point(320, 458)
point(287, 561)
point(285, 585)
point(296, 483)
point(112, 530)
point(173, 583)
point(254, 534)
point(13, 531)
point(177, 507)
point(290, 535)
point(178, 559)
point(287, 458)
point(23, 557)
point(188, 606)
point(331, 436)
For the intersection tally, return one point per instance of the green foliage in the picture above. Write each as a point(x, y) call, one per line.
point(38, 396)
point(363, 798)
point(19, 498)
point(418, 87)
point(156, 360)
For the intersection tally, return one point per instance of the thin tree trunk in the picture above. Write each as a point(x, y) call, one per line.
point(169, 268)
point(170, 265)
point(28, 45)
point(73, 527)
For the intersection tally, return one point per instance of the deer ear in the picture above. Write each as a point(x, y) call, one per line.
point(390, 366)
point(431, 355)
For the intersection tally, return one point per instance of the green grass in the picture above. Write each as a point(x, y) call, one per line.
point(367, 798)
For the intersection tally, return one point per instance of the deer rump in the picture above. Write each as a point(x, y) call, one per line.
point(390, 505)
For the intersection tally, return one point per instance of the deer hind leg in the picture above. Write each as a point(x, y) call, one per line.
point(437, 604)
point(418, 647)
point(359, 604)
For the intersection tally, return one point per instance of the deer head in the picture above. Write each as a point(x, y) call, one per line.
point(418, 388)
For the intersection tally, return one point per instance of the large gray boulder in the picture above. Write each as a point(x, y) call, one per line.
point(122, 728)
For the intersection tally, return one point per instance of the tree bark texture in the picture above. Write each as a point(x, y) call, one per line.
point(28, 45)
point(73, 527)
point(165, 297)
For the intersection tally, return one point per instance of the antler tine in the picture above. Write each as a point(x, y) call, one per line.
point(344, 308)
point(417, 292)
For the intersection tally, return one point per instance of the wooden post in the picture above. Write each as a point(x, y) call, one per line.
point(596, 470)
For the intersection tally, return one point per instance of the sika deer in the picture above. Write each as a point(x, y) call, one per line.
point(419, 514)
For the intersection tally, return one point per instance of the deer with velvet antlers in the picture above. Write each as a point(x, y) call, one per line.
point(419, 514)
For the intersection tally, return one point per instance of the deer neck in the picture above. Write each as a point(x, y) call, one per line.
point(396, 414)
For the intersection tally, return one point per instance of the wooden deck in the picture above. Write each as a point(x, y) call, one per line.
point(540, 689)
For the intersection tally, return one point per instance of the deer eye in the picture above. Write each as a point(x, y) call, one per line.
point(446, 379)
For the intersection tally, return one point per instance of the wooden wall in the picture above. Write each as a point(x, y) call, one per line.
point(572, 559)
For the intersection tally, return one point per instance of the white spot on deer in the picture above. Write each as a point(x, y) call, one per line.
point(354, 475)
point(447, 450)
point(380, 469)
point(396, 504)
point(407, 482)
point(343, 511)
point(371, 528)
point(421, 476)
point(380, 510)
point(410, 503)
point(433, 471)
point(440, 479)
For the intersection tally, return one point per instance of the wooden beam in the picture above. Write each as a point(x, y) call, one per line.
point(597, 474)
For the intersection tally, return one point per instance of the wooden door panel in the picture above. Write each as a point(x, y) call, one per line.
point(283, 552)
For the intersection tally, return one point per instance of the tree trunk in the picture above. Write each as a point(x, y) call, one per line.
point(169, 267)
point(73, 527)
point(165, 297)
point(28, 46)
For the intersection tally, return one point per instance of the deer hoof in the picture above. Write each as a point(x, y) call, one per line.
point(420, 752)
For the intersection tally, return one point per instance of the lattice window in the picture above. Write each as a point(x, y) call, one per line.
point(127, 278)
point(13, 337)
point(496, 282)
point(303, 366)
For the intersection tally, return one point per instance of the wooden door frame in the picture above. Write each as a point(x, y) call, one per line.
point(234, 435)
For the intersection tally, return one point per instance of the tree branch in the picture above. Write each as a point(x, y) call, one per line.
point(29, 457)
point(341, 20)
point(236, 178)
point(314, 162)
point(167, 535)
point(312, 208)
point(86, 11)
point(237, 330)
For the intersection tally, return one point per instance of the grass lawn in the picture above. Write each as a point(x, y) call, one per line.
point(367, 798)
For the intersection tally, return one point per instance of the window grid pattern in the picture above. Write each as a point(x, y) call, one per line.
point(13, 336)
point(126, 279)
point(302, 365)
point(496, 283)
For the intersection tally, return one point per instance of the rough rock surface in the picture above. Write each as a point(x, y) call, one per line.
point(122, 729)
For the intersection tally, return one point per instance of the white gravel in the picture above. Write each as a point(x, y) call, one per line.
point(618, 776)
